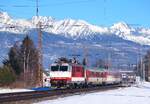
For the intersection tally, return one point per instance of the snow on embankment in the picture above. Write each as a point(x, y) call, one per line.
point(130, 95)
point(145, 85)
point(8, 90)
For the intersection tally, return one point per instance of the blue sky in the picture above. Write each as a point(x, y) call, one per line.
point(98, 12)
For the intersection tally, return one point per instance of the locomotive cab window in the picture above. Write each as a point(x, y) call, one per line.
point(63, 68)
point(54, 68)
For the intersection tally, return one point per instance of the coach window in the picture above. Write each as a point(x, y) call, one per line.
point(101, 74)
point(97, 74)
point(92, 74)
point(63, 68)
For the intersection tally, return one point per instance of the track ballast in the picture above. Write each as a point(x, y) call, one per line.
point(10, 97)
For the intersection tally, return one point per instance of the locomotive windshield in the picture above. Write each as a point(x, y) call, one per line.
point(63, 68)
point(59, 68)
point(54, 68)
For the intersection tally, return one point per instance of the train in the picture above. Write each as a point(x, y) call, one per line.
point(128, 77)
point(74, 75)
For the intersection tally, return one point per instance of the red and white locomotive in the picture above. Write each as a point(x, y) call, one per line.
point(76, 75)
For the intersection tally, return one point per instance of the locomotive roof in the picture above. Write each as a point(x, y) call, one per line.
point(94, 69)
point(127, 71)
point(54, 64)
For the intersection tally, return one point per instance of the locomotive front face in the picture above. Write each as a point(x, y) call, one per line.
point(60, 75)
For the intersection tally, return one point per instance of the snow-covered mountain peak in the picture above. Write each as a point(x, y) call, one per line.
point(121, 28)
point(77, 28)
point(73, 23)
point(120, 25)
point(4, 17)
point(43, 19)
point(74, 28)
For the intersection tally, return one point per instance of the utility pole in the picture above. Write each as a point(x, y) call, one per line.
point(143, 71)
point(85, 51)
point(109, 60)
point(109, 56)
point(143, 68)
point(40, 57)
point(37, 8)
point(142, 65)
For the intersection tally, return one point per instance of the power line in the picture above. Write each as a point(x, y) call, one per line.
point(70, 3)
point(13, 7)
point(48, 5)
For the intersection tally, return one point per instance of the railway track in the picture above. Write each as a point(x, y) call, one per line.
point(10, 97)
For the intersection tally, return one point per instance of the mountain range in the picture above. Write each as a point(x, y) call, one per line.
point(120, 44)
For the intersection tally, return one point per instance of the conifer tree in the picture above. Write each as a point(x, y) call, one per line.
point(15, 60)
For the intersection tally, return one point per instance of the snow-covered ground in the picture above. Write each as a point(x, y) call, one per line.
point(8, 90)
point(132, 95)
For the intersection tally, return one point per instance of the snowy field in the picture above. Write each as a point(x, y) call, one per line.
point(131, 95)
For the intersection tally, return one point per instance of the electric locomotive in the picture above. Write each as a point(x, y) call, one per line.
point(70, 74)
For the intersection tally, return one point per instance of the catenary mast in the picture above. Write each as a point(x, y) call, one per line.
point(40, 58)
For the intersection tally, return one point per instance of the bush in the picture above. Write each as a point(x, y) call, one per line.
point(7, 75)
